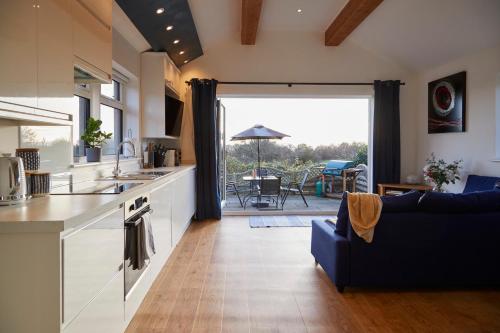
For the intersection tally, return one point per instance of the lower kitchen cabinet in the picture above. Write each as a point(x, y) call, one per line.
point(91, 257)
point(72, 280)
point(183, 204)
point(161, 204)
point(104, 314)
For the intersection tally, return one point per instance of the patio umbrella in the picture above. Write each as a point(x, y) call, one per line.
point(258, 132)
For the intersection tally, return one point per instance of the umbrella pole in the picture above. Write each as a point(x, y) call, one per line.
point(259, 172)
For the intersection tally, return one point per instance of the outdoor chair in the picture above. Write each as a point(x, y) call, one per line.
point(295, 188)
point(268, 188)
point(231, 187)
point(271, 189)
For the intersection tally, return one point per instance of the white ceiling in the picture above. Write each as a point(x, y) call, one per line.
point(424, 33)
point(415, 33)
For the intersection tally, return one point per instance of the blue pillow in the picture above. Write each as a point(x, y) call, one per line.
point(342, 217)
point(406, 202)
point(480, 183)
point(473, 202)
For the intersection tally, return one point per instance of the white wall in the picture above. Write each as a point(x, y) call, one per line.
point(302, 56)
point(476, 146)
point(125, 54)
point(126, 60)
point(9, 136)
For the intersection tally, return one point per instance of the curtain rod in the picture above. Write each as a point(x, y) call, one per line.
point(290, 84)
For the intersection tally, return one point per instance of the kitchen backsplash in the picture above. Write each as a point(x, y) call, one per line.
point(56, 152)
point(54, 142)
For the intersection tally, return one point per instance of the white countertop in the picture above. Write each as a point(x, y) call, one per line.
point(58, 213)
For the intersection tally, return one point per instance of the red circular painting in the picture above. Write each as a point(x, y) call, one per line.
point(443, 98)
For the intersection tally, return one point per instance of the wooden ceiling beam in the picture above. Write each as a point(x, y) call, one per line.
point(250, 16)
point(349, 18)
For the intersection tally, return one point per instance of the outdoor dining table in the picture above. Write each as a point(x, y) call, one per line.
point(254, 180)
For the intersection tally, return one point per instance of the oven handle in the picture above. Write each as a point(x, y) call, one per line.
point(134, 221)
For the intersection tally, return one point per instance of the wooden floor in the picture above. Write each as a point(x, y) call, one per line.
point(226, 277)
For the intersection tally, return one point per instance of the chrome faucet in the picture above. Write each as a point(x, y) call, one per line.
point(116, 170)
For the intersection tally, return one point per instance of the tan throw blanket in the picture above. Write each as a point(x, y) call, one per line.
point(364, 212)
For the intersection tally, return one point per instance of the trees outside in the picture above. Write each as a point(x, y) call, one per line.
point(243, 156)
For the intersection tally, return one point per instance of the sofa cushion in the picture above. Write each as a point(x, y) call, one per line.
point(473, 202)
point(406, 202)
point(480, 183)
point(342, 217)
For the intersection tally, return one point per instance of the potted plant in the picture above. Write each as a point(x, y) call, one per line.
point(94, 138)
point(439, 172)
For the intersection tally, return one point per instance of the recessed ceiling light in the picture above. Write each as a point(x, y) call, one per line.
point(182, 52)
point(176, 41)
point(160, 11)
point(186, 61)
point(299, 10)
point(170, 27)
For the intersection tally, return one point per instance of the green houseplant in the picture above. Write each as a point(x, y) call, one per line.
point(94, 138)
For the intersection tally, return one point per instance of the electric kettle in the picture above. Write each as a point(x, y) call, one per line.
point(12, 181)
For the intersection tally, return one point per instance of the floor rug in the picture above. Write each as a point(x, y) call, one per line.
point(284, 221)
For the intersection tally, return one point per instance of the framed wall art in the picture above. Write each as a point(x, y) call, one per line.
point(446, 104)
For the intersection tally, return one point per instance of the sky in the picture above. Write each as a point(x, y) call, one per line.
point(320, 121)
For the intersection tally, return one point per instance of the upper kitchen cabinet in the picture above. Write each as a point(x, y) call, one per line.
point(55, 56)
point(172, 75)
point(158, 73)
point(36, 62)
point(18, 52)
point(92, 36)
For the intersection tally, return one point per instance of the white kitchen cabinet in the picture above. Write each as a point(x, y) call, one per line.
point(172, 75)
point(55, 56)
point(36, 60)
point(91, 257)
point(183, 204)
point(92, 35)
point(105, 313)
point(157, 73)
point(161, 203)
point(18, 52)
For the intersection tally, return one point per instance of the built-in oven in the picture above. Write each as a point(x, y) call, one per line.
point(139, 240)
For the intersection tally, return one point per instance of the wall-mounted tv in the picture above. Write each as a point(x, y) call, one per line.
point(173, 116)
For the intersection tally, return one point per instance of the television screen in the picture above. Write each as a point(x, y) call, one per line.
point(173, 116)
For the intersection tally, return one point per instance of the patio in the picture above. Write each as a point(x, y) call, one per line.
point(293, 205)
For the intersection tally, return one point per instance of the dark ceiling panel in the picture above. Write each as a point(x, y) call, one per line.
point(153, 27)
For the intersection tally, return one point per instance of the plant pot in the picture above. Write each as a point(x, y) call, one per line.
point(93, 154)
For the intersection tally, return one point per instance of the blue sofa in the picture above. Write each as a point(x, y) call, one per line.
point(430, 240)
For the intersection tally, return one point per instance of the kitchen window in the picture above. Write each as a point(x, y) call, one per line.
point(80, 118)
point(111, 90)
point(111, 115)
point(112, 122)
point(102, 101)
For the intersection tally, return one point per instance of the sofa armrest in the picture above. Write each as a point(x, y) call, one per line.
point(331, 251)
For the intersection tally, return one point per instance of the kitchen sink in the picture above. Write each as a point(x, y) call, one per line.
point(139, 175)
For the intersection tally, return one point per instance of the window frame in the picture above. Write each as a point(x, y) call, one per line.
point(92, 92)
point(118, 125)
point(86, 116)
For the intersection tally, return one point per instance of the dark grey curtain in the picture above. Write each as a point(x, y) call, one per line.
point(208, 205)
point(386, 134)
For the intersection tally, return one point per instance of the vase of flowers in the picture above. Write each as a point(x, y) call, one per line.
point(94, 138)
point(438, 172)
